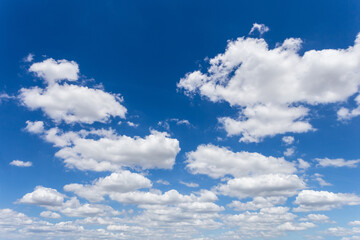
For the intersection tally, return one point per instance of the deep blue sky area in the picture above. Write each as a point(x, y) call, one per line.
point(142, 50)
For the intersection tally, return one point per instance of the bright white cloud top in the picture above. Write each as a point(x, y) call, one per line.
point(271, 85)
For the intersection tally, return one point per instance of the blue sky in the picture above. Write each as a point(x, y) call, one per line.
point(179, 119)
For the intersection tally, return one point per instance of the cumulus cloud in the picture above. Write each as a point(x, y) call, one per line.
point(29, 58)
point(270, 86)
point(262, 185)
point(52, 71)
point(262, 224)
point(218, 162)
point(288, 140)
point(303, 164)
point(72, 103)
point(35, 127)
point(257, 203)
point(338, 162)
point(316, 218)
point(43, 196)
point(346, 114)
point(310, 200)
point(19, 163)
point(119, 182)
point(319, 178)
point(84, 150)
point(50, 214)
point(261, 28)
point(289, 151)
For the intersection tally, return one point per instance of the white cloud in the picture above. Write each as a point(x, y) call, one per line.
point(261, 28)
point(270, 85)
point(339, 162)
point(319, 178)
point(19, 163)
point(35, 127)
point(52, 71)
point(50, 214)
point(257, 203)
point(288, 140)
point(289, 152)
point(303, 164)
point(84, 150)
point(72, 103)
point(119, 182)
point(43, 196)
point(288, 226)
point(354, 223)
point(131, 124)
point(346, 114)
point(262, 185)
point(163, 182)
point(190, 184)
point(310, 200)
point(29, 57)
point(316, 218)
point(259, 121)
point(217, 162)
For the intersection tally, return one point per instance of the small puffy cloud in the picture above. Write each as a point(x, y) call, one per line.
point(275, 88)
point(190, 184)
point(35, 127)
point(261, 28)
point(19, 163)
point(217, 162)
point(29, 58)
point(339, 162)
point(310, 200)
point(131, 124)
point(43, 196)
point(346, 114)
point(50, 214)
point(72, 103)
point(288, 140)
point(257, 203)
point(119, 182)
point(303, 164)
point(5, 96)
point(354, 223)
point(289, 152)
point(52, 71)
point(262, 185)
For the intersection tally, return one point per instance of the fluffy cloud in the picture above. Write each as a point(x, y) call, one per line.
point(269, 85)
point(288, 140)
point(50, 214)
point(339, 162)
point(120, 182)
point(84, 150)
point(34, 127)
point(316, 218)
point(217, 162)
point(262, 185)
point(72, 103)
point(310, 200)
point(266, 223)
point(52, 71)
point(19, 163)
point(257, 203)
point(261, 28)
point(43, 196)
point(346, 114)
